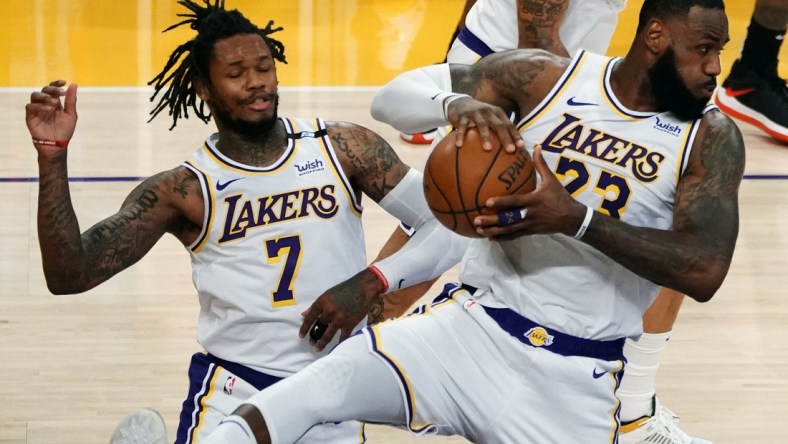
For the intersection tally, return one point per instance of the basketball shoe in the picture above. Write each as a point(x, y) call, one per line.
point(758, 99)
point(144, 426)
point(424, 138)
point(662, 428)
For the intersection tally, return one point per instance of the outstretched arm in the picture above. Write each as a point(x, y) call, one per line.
point(478, 95)
point(75, 262)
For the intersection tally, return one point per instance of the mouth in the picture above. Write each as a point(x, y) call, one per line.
point(259, 103)
point(708, 89)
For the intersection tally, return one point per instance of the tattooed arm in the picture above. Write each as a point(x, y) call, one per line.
point(374, 169)
point(538, 22)
point(514, 81)
point(509, 81)
point(694, 257)
point(75, 263)
point(372, 165)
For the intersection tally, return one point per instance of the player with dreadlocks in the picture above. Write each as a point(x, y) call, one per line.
point(194, 57)
point(269, 209)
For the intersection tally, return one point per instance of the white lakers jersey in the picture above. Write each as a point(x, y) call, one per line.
point(273, 240)
point(621, 163)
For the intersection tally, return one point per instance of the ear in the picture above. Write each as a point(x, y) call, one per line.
point(201, 89)
point(656, 36)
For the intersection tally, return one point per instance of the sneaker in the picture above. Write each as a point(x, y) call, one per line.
point(755, 99)
point(662, 428)
point(424, 138)
point(144, 426)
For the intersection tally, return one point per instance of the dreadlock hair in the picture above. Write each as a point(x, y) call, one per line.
point(663, 9)
point(191, 60)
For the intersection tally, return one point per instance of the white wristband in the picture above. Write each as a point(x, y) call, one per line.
point(586, 222)
point(450, 98)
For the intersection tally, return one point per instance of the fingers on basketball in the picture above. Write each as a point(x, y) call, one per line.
point(458, 182)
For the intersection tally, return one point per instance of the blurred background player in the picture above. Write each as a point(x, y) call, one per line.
point(754, 91)
point(559, 26)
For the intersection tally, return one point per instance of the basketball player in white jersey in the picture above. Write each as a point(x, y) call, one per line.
point(561, 27)
point(638, 189)
point(269, 208)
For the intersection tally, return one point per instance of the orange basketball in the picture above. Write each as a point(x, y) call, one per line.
point(457, 182)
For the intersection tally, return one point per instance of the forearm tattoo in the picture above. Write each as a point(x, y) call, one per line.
point(539, 21)
point(542, 13)
point(376, 310)
point(350, 297)
point(58, 228)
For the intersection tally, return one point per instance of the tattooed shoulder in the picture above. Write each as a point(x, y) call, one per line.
point(168, 184)
point(174, 195)
point(184, 182)
point(720, 149)
point(520, 74)
point(366, 157)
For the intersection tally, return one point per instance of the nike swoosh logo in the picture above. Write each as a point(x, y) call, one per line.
point(598, 375)
point(738, 92)
point(433, 97)
point(572, 102)
point(220, 186)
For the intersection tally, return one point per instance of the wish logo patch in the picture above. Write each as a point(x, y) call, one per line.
point(667, 127)
point(310, 167)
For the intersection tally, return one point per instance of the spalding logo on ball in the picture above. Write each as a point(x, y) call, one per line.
point(458, 181)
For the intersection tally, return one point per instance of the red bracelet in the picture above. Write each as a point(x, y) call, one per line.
point(380, 277)
point(57, 143)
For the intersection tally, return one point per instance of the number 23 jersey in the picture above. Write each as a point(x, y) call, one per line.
point(622, 163)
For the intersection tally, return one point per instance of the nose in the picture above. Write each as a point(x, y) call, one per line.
point(713, 67)
point(255, 80)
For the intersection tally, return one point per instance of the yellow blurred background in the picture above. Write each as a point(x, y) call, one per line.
point(327, 42)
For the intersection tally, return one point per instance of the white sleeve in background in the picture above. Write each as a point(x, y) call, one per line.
point(431, 251)
point(414, 101)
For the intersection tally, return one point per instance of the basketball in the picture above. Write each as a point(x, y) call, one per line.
point(457, 182)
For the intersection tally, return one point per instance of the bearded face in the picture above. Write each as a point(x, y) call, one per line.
point(671, 91)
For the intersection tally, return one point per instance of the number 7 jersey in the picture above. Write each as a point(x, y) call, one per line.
point(274, 239)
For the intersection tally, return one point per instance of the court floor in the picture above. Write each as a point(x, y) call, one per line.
point(72, 366)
